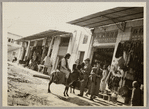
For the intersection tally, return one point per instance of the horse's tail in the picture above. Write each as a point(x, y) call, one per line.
point(54, 77)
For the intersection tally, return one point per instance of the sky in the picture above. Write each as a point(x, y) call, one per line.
point(27, 18)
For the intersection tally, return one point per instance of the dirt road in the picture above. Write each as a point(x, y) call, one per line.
point(26, 90)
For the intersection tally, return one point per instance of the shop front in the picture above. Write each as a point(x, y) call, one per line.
point(104, 55)
point(118, 40)
point(103, 46)
point(48, 43)
point(37, 52)
point(124, 51)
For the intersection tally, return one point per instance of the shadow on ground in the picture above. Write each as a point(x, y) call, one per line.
point(74, 100)
point(80, 102)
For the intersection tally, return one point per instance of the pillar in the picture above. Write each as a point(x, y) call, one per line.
point(27, 50)
point(50, 46)
point(55, 51)
point(35, 44)
point(122, 36)
point(69, 50)
point(73, 49)
point(44, 42)
point(22, 50)
point(43, 52)
point(90, 50)
point(79, 36)
point(20, 53)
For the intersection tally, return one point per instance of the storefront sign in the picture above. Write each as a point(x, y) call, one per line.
point(105, 37)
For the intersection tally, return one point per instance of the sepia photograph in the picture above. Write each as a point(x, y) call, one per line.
point(74, 54)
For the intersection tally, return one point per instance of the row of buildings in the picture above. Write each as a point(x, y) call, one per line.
point(109, 28)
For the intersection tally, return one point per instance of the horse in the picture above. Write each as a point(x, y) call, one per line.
point(56, 76)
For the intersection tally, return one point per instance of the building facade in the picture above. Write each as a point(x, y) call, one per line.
point(107, 38)
point(13, 45)
point(55, 46)
point(118, 40)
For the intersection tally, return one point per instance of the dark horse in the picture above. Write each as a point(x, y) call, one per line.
point(73, 77)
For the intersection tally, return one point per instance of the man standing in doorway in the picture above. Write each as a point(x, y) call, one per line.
point(47, 64)
point(86, 73)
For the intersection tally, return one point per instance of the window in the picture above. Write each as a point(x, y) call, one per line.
point(81, 57)
point(85, 39)
point(64, 41)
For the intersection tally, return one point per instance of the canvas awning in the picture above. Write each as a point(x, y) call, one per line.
point(44, 34)
point(111, 16)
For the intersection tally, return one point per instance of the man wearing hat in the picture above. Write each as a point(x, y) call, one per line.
point(86, 73)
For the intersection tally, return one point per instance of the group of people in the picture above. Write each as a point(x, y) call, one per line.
point(99, 78)
point(92, 78)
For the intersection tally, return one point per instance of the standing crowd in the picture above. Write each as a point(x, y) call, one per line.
point(102, 78)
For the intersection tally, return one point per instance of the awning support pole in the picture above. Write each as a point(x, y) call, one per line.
point(121, 25)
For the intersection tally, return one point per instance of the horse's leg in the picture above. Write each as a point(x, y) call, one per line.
point(51, 80)
point(74, 86)
point(65, 91)
point(74, 90)
point(70, 89)
point(67, 88)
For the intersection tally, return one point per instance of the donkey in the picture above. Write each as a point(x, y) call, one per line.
point(54, 78)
